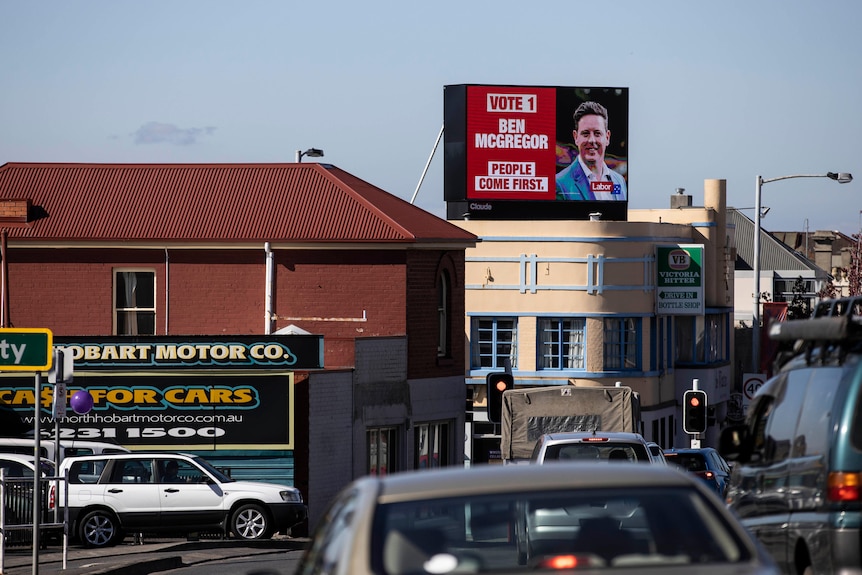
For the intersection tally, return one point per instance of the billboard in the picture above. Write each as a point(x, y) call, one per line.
point(679, 279)
point(532, 152)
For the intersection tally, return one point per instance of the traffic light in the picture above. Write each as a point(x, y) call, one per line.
point(496, 384)
point(694, 411)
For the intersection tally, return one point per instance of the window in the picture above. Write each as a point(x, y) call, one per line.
point(802, 290)
point(493, 341)
point(133, 471)
point(134, 302)
point(702, 339)
point(622, 344)
point(561, 343)
point(382, 450)
point(715, 338)
point(432, 445)
point(443, 295)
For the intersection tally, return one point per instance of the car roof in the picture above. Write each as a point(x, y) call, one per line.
point(610, 435)
point(688, 450)
point(22, 458)
point(494, 478)
point(129, 455)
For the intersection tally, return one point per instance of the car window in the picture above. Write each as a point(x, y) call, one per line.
point(331, 535)
point(178, 471)
point(602, 452)
point(132, 471)
point(781, 427)
point(86, 471)
point(635, 527)
point(689, 461)
point(75, 451)
point(15, 469)
point(813, 433)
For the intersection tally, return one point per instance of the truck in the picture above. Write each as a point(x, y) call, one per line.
point(528, 413)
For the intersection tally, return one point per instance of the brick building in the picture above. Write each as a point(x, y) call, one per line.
point(320, 316)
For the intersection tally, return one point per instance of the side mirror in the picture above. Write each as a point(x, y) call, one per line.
point(734, 443)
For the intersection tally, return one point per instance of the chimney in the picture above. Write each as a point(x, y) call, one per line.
point(680, 199)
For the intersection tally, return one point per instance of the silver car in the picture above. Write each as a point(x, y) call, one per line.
point(592, 446)
point(621, 518)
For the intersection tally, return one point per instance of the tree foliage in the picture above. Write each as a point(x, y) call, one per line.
point(800, 306)
point(853, 273)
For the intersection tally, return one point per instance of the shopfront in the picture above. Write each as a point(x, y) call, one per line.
point(229, 399)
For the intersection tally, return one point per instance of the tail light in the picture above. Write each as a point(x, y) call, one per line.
point(52, 496)
point(844, 486)
point(558, 562)
point(705, 474)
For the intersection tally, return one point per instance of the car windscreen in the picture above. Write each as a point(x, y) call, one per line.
point(221, 477)
point(688, 461)
point(514, 532)
point(608, 451)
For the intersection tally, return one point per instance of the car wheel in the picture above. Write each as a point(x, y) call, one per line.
point(99, 528)
point(250, 522)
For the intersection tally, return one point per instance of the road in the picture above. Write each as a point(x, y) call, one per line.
point(276, 563)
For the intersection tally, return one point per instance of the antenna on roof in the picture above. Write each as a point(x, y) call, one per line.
point(428, 163)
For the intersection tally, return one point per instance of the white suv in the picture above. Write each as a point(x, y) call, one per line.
point(593, 445)
point(110, 495)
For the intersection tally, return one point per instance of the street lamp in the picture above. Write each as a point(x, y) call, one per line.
point(310, 152)
point(841, 178)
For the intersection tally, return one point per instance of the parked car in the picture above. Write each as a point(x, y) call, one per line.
point(623, 518)
point(592, 445)
point(705, 463)
point(68, 447)
point(17, 471)
point(656, 452)
point(18, 465)
point(798, 455)
point(110, 495)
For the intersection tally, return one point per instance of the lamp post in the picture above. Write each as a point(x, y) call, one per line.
point(310, 152)
point(841, 178)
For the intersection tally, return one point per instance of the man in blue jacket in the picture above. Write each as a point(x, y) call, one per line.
point(588, 177)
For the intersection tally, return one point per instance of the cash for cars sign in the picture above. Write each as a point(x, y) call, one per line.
point(679, 281)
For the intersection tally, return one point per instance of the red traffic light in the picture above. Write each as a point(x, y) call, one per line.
point(496, 384)
point(694, 417)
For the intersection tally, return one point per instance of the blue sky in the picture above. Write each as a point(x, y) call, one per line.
point(725, 90)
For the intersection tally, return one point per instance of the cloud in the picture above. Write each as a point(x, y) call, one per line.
point(159, 133)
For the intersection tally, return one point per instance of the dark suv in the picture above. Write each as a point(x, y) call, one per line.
point(797, 478)
point(704, 463)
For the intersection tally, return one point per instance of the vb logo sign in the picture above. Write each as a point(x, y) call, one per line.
point(678, 259)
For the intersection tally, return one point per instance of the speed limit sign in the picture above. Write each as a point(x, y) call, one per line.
point(751, 382)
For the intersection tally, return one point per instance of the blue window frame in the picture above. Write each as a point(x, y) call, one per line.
point(561, 343)
point(703, 339)
point(492, 341)
point(622, 344)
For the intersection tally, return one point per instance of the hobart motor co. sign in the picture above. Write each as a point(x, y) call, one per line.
point(193, 392)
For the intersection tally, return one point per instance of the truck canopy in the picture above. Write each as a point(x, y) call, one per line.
point(529, 413)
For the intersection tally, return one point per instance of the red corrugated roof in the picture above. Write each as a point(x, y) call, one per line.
point(302, 202)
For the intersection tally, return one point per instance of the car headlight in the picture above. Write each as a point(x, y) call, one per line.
point(291, 495)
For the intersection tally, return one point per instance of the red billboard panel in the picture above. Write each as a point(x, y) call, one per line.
point(530, 152)
point(512, 153)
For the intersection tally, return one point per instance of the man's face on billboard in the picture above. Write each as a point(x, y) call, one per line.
point(592, 137)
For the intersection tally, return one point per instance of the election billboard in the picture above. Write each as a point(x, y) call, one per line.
point(535, 152)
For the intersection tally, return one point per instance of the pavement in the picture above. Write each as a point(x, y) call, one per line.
point(130, 558)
